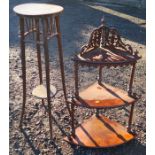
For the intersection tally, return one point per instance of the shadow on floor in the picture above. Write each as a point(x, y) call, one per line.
point(131, 148)
point(36, 151)
point(27, 138)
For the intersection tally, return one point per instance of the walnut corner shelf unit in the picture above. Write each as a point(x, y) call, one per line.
point(104, 49)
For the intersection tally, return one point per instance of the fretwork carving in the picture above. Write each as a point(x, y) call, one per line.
point(106, 37)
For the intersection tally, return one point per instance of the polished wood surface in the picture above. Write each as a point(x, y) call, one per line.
point(108, 56)
point(102, 96)
point(105, 48)
point(37, 9)
point(100, 132)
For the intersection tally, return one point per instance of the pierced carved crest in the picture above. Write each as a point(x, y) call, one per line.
point(105, 37)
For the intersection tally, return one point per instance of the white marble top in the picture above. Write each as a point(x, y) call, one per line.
point(37, 9)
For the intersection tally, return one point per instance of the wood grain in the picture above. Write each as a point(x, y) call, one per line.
point(100, 132)
point(102, 96)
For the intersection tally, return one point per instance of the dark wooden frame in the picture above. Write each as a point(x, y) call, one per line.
point(107, 38)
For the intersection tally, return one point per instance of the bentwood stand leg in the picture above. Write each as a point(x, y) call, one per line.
point(22, 44)
point(47, 70)
point(57, 19)
point(39, 51)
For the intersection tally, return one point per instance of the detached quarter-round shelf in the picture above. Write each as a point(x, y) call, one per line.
point(100, 132)
point(41, 92)
point(103, 96)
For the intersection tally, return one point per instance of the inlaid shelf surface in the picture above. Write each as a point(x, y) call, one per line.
point(111, 56)
point(100, 132)
point(102, 96)
point(41, 92)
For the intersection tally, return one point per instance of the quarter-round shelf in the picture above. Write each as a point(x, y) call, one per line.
point(41, 92)
point(107, 57)
point(100, 132)
point(103, 96)
point(37, 9)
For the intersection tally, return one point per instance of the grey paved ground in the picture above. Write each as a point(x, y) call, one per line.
point(77, 21)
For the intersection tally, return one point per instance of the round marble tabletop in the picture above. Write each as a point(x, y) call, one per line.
point(37, 9)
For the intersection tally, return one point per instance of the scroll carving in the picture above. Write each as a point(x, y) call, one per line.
point(105, 37)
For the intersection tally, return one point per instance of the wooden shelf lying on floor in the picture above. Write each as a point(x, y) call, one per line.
point(102, 96)
point(100, 132)
point(40, 91)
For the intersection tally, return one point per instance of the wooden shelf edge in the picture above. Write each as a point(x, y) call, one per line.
point(80, 104)
point(101, 96)
point(100, 132)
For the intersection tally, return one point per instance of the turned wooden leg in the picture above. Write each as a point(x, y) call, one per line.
point(130, 118)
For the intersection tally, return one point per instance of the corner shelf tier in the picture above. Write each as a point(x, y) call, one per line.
point(100, 132)
point(103, 96)
point(109, 57)
point(41, 92)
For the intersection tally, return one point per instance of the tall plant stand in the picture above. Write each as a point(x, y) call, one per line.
point(42, 21)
